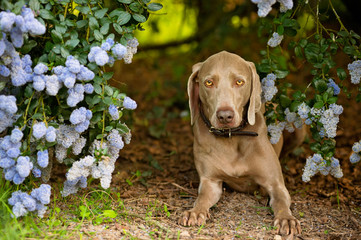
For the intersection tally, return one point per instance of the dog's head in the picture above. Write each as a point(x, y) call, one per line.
point(225, 84)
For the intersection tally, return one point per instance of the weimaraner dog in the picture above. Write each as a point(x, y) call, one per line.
point(230, 139)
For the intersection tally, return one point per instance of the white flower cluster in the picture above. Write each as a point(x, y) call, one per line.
point(292, 121)
point(317, 164)
point(268, 87)
point(265, 6)
point(275, 40)
point(328, 117)
point(66, 138)
point(275, 130)
point(101, 169)
point(355, 71)
point(356, 149)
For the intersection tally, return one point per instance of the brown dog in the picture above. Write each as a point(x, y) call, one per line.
point(225, 104)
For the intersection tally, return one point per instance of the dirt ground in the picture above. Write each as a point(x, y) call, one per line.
point(327, 208)
point(236, 215)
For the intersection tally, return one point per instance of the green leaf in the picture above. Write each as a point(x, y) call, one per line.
point(93, 23)
point(104, 29)
point(125, 1)
point(83, 9)
point(100, 13)
point(281, 73)
point(72, 43)
point(332, 100)
point(60, 28)
point(37, 116)
point(34, 5)
point(123, 18)
point(97, 88)
point(2, 86)
point(341, 73)
point(318, 105)
point(28, 46)
point(57, 37)
point(139, 18)
point(298, 52)
point(64, 52)
point(98, 36)
point(145, 1)
point(135, 7)
point(303, 43)
point(110, 214)
point(280, 29)
point(108, 101)
point(321, 85)
point(155, 6)
point(46, 14)
point(108, 90)
point(108, 128)
point(81, 23)
point(315, 147)
point(118, 28)
point(325, 97)
point(284, 100)
point(294, 106)
point(108, 75)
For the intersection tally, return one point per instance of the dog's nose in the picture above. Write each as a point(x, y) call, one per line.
point(225, 116)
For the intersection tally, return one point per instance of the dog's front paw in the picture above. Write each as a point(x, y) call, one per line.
point(287, 226)
point(193, 217)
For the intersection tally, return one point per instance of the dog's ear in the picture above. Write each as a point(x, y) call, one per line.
point(255, 98)
point(193, 91)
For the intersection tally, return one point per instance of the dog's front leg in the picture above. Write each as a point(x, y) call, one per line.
point(209, 192)
point(285, 223)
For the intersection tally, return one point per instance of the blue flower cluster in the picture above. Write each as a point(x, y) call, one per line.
point(268, 87)
point(17, 25)
point(129, 103)
point(69, 74)
point(8, 110)
point(18, 69)
point(35, 202)
point(110, 51)
point(265, 6)
point(355, 71)
point(355, 156)
point(317, 164)
point(113, 111)
point(40, 130)
point(9, 152)
point(331, 84)
point(80, 118)
point(275, 40)
point(43, 158)
point(115, 140)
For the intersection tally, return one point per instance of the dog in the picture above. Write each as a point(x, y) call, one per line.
point(231, 144)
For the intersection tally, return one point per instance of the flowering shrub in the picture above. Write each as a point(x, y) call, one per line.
point(316, 106)
point(55, 99)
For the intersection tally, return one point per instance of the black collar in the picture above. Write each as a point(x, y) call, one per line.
point(226, 132)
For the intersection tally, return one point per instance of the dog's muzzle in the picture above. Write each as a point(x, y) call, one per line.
point(226, 132)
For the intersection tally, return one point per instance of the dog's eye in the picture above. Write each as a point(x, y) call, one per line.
point(208, 83)
point(240, 82)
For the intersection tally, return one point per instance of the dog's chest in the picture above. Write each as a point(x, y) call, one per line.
point(223, 157)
